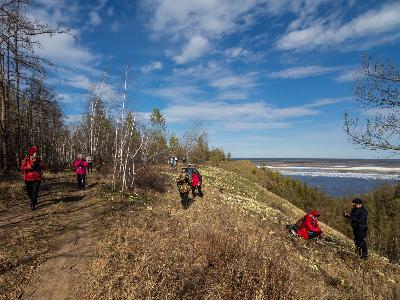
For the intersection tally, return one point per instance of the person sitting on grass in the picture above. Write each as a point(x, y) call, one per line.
point(309, 228)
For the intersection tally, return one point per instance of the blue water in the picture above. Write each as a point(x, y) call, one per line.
point(337, 177)
point(341, 186)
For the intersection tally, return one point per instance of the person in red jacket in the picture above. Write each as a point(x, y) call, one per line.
point(196, 183)
point(32, 166)
point(309, 226)
point(80, 166)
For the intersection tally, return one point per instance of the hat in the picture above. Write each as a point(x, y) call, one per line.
point(357, 201)
point(315, 213)
point(32, 150)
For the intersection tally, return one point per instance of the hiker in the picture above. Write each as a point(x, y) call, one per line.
point(190, 170)
point(184, 160)
point(33, 167)
point(358, 217)
point(309, 228)
point(197, 181)
point(184, 185)
point(90, 163)
point(80, 166)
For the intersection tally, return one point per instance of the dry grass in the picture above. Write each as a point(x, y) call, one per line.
point(28, 239)
point(229, 245)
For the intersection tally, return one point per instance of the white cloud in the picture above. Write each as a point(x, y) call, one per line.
point(239, 53)
point(205, 71)
point(73, 98)
point(236, 52)
point(193, 17)
point(115, 26)
point(328, 101)
point(231, 81)
point(182, 21)
point(63, 49)
point(194, 49)
point(346, 76)
point(232, 95)
point(155, 65)
point(110, 11)
point(94, 18)
point(321, 34)
point(306, 71)
point(255, 113)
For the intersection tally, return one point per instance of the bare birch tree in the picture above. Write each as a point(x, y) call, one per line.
point(377, 90)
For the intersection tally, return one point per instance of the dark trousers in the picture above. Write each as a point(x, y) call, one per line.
point(199, 190)
point(81, 180)
point(90, 167)
point(185, 199)
point(32, 187)
point(360, 235)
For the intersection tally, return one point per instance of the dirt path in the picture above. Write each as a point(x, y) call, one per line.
point(58, 272)
point(63, 274)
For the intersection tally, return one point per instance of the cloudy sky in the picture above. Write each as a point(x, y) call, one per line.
point(268, 78)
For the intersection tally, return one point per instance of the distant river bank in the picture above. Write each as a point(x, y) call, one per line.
point(337, 177)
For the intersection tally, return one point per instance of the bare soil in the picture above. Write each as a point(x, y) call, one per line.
point(45, 253)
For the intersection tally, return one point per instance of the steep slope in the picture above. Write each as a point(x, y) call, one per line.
point(231, 244)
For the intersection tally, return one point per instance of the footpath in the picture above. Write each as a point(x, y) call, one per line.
point(44, 254)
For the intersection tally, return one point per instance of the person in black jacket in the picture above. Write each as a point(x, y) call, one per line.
point(358, 217)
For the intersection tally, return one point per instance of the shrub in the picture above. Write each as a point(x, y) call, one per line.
point(150, 179)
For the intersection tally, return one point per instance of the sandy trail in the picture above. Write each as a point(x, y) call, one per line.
point(63, 273)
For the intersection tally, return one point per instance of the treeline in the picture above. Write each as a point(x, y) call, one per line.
point(129, 149)
point(29, 112)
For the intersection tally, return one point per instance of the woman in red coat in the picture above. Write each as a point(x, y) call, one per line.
point(80, 166)
point(32, 167)
point(309, 227)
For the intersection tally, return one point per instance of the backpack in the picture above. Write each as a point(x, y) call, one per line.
point(298, 223)
point(196, 179)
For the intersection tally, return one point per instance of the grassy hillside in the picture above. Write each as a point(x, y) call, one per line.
point(383, 205)
point(231, 244)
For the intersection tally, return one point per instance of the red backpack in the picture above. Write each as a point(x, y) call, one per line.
point(195, 179)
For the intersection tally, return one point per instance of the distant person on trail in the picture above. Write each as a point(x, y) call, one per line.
point(359, 217)
point(89, 160)
point(309, 228)
point(184, 160)
point(33, 167)
point(197, 181)
point(184, 186)
point(80, 166)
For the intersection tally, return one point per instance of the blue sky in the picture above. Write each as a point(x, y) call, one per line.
point(266, 78)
